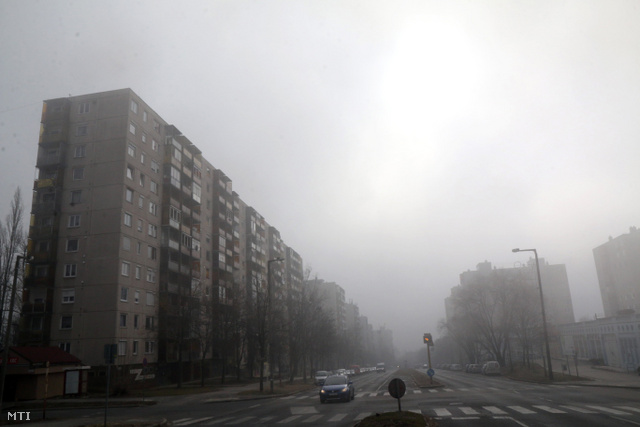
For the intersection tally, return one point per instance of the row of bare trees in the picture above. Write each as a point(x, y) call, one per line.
point(291, 333)
point(498, 318)
point(13, 242)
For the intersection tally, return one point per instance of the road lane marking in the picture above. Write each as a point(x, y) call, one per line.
point(288, 420)
point(312, 419)
point(433, 390)
point(191, 421)
point(337, 417)
point(468, 411)
point(577, 409)
point(241, 421)
point(549, 409)
point(628, 408)
point(417, 391)
point(521, 409)
point(447, 389)
point(609, 410)
point(494, 410)
point(362, 416)
point(463, 389)
point(287, 397)
point(442, 412)
point(303, 410)
point(221, 420)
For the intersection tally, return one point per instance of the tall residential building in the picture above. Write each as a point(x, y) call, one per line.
point(555, 286)
point(94, 234)
point(332, 299)
point(619, 273)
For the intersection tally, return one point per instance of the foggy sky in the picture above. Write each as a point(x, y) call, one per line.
point(393, 144)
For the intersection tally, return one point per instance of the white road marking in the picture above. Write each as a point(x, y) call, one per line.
point(521, 409)
point(549, 409)
point(494, 410)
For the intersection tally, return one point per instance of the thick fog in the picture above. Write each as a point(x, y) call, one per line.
point(393, 144)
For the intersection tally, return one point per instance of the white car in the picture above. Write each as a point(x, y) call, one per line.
point(491, 368)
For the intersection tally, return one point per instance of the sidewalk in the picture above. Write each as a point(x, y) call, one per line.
point(598, 376)
point(224, 394)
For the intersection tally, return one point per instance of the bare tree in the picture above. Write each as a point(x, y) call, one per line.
point(12, 244)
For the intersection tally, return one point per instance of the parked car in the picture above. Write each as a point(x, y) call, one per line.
point(456, 367)
point(380, 367)
point(337, 387)
point(321, 376)
point(491, 368)
point(474, 368)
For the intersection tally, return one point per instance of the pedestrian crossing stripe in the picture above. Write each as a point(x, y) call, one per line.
point(457, 412)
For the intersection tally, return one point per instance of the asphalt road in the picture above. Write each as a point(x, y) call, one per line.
point(465, 400)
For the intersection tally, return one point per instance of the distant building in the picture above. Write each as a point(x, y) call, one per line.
point(555, 286)
point(618, 267)
point(612, 341)
point(332, 300)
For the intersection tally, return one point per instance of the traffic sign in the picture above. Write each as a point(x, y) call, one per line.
point(397, 388)
point(431, 372)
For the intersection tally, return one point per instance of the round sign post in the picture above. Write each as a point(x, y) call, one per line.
point(397, 388)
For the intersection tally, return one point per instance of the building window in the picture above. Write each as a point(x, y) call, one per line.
point(131, 150)
point(155, 167)
point(175, 216)
point(151, 298)
point(141, 201)
point(70, 270)
point(145, 115)
point(74, 221)
point(78, 173)
point(82, 130)
point(154, 187)
point(125, 268)
point(83, 108)
point(156, 126)
point(175, 177)
point(134, 106)
point(138, 248)
point(136, 297)
point(42, 271)
point(136, 318)
point(129, 172)
point(127, 219)
point(154, 145)
point(141, 180)
point(151, 276)
point(126, 243)
point(153, 209)
point(138, 272)
point(68, 296)
point(142, 155)
point(149, 347)
point(135, 347)
point(79, 151)
point(122, 348)
point(132, 128)
point(152, 252)
point(140, 225)
point(66, 322)
point(153, 230)
point(43, 246)
point(72, 245)
point(124, 294)
point(128, 195)
point(76, 197)
point(65, 346)
point(149, 323)
point(123, 320)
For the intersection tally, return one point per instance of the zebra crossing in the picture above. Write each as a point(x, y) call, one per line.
point(437, 413)
point(384, 393)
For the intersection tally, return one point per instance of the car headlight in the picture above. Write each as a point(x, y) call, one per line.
point(322, 391)
point(345, 389)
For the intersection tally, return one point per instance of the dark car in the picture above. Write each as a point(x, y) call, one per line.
point(337, 387)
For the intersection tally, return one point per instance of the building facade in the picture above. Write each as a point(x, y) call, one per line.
point(618, 272)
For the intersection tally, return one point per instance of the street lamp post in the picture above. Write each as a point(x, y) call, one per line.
point(544, 317)
point(7, 339)
point(270, 321)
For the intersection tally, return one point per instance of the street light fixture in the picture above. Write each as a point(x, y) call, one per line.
point(544, 317)
point(270, 320)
